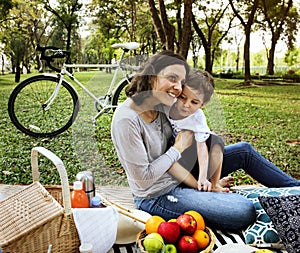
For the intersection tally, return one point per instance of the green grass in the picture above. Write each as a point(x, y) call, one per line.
point(265, 116)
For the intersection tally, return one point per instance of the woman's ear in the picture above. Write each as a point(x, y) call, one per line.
point(153, 81)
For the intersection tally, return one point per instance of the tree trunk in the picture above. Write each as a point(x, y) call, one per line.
point(157, 23)
point(247, 78)
point(169, 29)
point(270, 66)
point(247, 27)
point(187, 29)
point(208, 59)
point(3, 64)
point(69, 34)
point(276, 31)
point(206, 45)
point(237, 59)
point(18, 73)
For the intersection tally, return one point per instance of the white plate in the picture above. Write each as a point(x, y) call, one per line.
point(128, 228)
point(235, 248)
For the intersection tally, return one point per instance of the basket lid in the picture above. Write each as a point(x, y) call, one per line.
point(26, 210)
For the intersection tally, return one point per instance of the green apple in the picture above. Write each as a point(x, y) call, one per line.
point(153, 243)
point(170, 248)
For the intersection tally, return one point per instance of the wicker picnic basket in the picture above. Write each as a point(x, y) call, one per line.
point(32, 219)
point(208, 249)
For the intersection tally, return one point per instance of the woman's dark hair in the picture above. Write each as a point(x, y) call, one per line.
point(141, 85)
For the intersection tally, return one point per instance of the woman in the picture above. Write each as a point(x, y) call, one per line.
point(141, 134)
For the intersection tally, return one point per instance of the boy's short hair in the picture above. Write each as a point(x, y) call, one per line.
point(201, 81)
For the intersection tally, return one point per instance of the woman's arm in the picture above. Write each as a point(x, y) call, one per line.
point(142, 153)
point(183, 175)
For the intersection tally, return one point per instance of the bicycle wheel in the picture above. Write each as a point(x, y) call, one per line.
point(119, 95)
point(29, 113)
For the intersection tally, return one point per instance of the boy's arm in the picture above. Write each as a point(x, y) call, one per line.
point(183, 175)
point(202, 153)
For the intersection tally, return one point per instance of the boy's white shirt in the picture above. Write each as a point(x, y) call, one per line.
point(195, 122)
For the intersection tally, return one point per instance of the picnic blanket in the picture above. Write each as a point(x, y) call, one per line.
point(122, 196)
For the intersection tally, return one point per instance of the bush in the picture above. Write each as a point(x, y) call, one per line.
point(295, 78)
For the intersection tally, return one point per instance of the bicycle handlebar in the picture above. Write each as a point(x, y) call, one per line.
point(55, 53)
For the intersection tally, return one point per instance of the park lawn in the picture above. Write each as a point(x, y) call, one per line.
point(265, 116)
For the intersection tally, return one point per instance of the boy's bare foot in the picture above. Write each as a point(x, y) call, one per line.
point(226, 181)
point(219, 188)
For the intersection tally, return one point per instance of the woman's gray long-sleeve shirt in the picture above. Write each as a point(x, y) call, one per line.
point(141, 149)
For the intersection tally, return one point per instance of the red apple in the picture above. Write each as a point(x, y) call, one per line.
point(187, 223)
point(170, 231)
point(187, 244)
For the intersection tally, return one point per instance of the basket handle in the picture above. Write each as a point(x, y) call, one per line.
point(61, 170)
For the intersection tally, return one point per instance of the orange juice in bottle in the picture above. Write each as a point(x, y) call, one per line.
point(79, 199)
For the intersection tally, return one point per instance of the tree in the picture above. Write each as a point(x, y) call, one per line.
point(5, 6)
point(245, 11)
point(122, 21)
point(165, 26)
point(186, 36)
point(67, 14)
point(291, 57)
point(19, 34)
point(165, 31)
point(280, 19)
point(210, 30)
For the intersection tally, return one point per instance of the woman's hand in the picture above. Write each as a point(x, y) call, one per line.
point(183, 140)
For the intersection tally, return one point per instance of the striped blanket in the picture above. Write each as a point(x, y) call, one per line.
point(122, 196)
point(222, 238)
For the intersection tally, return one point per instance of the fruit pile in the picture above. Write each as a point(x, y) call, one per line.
point(185, 234)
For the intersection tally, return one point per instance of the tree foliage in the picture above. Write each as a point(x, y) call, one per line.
point(279, 19)
point(173, 28)
point(66, 13)
point(5, 7)
point(22, 29)
point(245, 11)
point(117, 21)
point(183, 26)
point(212, 23)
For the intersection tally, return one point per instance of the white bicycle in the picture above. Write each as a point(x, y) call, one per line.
point(46, 105)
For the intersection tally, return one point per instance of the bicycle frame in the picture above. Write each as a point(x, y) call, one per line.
point(106, 104)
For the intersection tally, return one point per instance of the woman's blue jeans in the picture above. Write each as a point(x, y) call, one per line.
point(221, 210)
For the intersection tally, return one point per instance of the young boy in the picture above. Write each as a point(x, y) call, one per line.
point(186, 114)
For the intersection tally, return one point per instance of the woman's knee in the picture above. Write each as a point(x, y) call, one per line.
point(248, 214)
point(245, 146)
point(243, 216)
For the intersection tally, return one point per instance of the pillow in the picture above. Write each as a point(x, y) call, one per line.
point(262, 231)
point(284, 212)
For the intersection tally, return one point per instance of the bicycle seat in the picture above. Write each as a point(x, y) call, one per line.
point(128, 45)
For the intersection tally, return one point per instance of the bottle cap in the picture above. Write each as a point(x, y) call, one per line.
point(77, 185)
point(96, 201)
